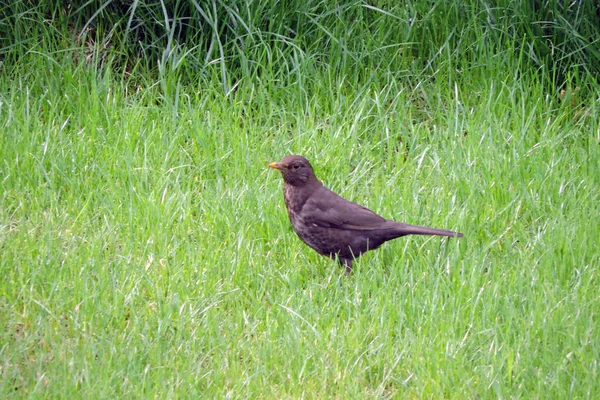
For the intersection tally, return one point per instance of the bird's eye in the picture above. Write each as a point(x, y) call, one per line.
point(295, 166)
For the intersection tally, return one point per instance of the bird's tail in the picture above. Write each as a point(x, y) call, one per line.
point(405, 229)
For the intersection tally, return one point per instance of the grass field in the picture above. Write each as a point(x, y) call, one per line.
point(147, 253)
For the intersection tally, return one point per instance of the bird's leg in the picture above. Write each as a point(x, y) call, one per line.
point(347, 263)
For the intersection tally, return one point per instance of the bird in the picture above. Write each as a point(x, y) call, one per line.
point(331, 225)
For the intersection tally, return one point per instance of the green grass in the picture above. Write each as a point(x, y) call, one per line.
point(146, 250)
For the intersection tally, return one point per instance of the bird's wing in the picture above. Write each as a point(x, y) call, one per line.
point(326, 209)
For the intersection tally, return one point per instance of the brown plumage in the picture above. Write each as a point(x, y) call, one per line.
point(331, 225)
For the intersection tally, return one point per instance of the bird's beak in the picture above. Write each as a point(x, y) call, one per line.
point(275, 165)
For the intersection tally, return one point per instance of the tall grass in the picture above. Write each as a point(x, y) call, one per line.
point(246, 39)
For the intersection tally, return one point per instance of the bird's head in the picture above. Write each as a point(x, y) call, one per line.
point(296, 170)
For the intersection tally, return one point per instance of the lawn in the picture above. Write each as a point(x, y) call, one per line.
point(147, 252)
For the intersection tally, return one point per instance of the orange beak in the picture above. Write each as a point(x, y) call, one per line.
point(274, 165)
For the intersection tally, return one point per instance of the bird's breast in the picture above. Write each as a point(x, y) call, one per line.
point(294, 199)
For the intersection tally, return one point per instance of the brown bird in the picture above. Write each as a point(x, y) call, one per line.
point(331, 225)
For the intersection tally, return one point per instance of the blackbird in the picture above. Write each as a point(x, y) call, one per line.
point(331, 225)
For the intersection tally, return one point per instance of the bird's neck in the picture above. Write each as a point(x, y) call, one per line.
point(296, 196)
